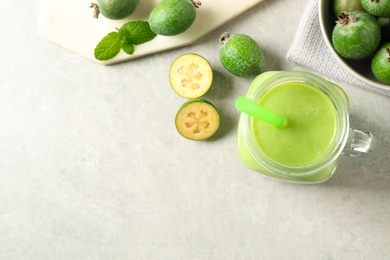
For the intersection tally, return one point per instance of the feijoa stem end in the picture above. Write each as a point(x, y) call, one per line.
point(388, 52)
point(224, 37)
point(96, 10)
point(196, 3)
point(346, 18)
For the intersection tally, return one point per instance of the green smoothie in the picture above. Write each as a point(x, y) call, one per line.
point(311, 124)
point(311, 130)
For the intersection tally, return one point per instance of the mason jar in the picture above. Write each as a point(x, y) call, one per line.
point(343, 140)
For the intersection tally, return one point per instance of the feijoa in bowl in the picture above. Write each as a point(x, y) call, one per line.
point(360, 69)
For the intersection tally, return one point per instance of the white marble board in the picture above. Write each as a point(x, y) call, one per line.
point(70, 24)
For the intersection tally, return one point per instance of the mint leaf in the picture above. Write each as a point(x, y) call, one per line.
point(127, 47)
point(108, 47)
point(137, 32)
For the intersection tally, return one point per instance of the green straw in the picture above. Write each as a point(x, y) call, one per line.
point(258, 111)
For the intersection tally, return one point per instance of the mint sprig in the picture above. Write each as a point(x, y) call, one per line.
point(129, 34)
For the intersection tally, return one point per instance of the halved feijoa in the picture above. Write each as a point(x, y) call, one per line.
point(190, 75)
point(197, 119)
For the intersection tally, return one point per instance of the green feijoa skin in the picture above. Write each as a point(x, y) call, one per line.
point(241, 55)
point(346, 5)
point(172, 17)
point(380, 64)
point(385, 27)
point(356, 35)
point(379, 8)
point(383, 21)
point(115, 9)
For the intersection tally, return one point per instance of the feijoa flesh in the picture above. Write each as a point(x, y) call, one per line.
point(380, 63)
point(356, 35)
point(172, 17)
point(115, 9)
point(379, 8)
point(190, 75)
point(241, 55)
point(197, 119)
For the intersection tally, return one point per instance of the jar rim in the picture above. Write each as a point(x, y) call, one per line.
point(338, 99)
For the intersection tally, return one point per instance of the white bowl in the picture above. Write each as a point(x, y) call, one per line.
point(360, 69)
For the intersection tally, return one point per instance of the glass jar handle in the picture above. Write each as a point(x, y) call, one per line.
point(360, 142)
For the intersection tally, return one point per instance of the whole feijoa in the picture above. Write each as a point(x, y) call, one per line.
point(241, 55)
point(384, 23)
point(380, 63)
point(379, 8)
point(115, 9)
point(346, 5)
point(172, 17)
point(356, 35)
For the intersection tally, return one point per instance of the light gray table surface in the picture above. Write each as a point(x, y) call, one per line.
point(91, 166)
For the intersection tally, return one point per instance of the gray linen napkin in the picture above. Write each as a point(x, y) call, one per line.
point(305, 47)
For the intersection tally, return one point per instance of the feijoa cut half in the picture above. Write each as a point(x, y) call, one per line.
point(197, 119)
point(190, 75)
point(380, 64)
